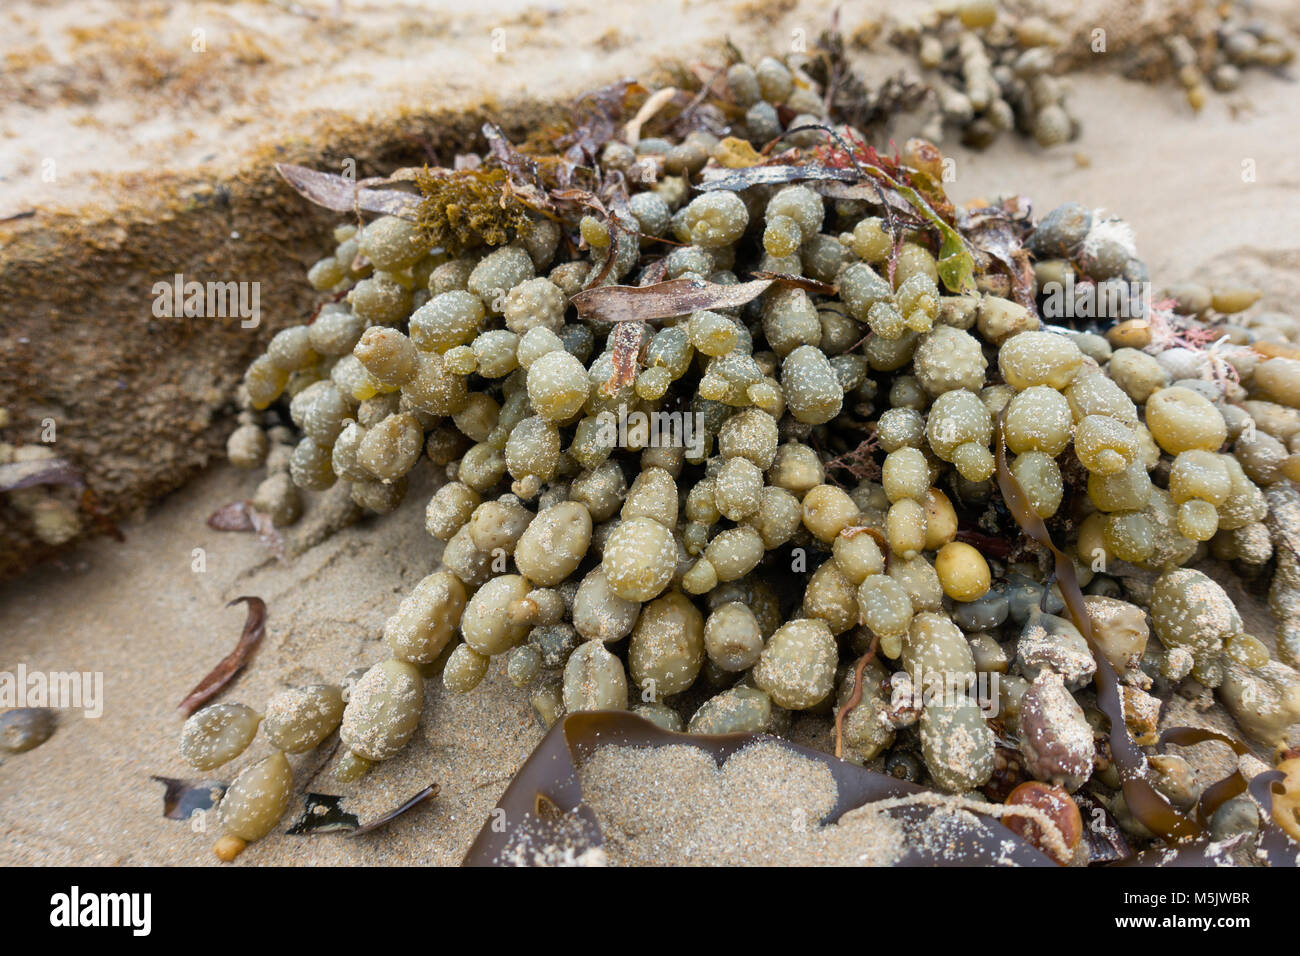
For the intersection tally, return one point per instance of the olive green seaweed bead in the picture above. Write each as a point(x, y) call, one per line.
point(217, 734)
point(257, 799)
point(797, 667)
point(667, 646)
point(427, 619)
point(383, 710)
point(594, 680)
point(300, 718)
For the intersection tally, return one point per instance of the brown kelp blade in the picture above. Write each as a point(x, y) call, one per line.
point(543, 807)
point(1274, 848)
point(232, 663)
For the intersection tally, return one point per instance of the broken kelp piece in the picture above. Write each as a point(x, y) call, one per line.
point(324, 813)
point(183, 798)
point(232, 663)
point(242, 516)
point(541, 817)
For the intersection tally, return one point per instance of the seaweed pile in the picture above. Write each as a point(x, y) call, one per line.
point(739, 418)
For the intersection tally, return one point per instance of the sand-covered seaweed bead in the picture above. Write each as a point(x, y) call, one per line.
point(497, 273)
point(956, 743)
point(935, 653)
point(320, 411)
point(217, 734)
point(390, 449)
point(1040, 478)
point(1279, 380)
point(300, 718)
point(335, 331)
point(1092, 392)
point(790, 320)
point(734, 711)
point(738, 487)
point(599, 612)
point(263, 382)
point(554, 543)
point(858, 556)
point(870, 242)
point(716, 219)
point(735, 552)
point(535, 303)
point(533, 449)
point(919, 580)
point(290, 349)
point(557, 385)
point(653, 495)
point(781, 236)
point(1190, 610)
point(900, 428)
point(465, 669)
point(246, 447)
point(447, 320)
point(310, 466)
point(639, 559)
point(434, 389)
point(1202, 475)
point(383, 710)
point(601, 489)
point(1139, 375)
point(1128, 490)
point(797, 667)
point(387, 354)
point(255, 802)
point(1039, 358)
point(380, 300)
point(326, 273)
point(1055, 737)
point(1038, 419)
point(948, 358)
point(751, 434)
point(427, 619)
point(828, 510)
point(449, 508)
point(742, 81)
point(594, 679)
point(279, 499)
point(1264, 701)
point(999, 319)
point(959, 429)
point(667, 647)
point(1105, 445)
point(917, 300)
point(905, 527)
point(778, 518)
point(802, 205)
point(486, 624)
point(733, 638)
point(796, 468)
point(391, 243)
point(905, 474)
